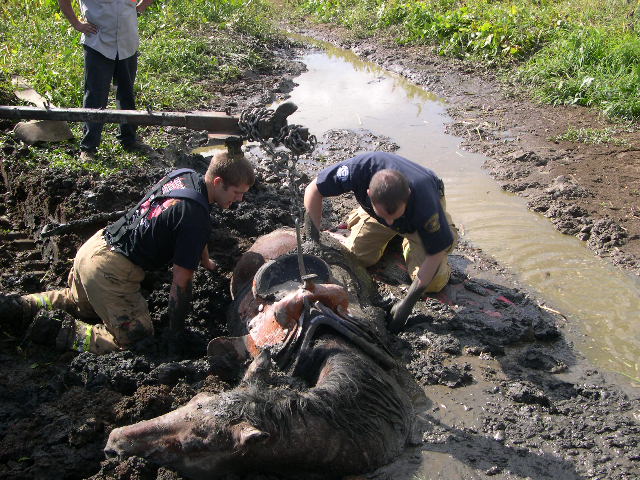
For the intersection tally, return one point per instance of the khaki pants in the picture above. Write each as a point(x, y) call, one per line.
point(369, 238)
point(103, 284)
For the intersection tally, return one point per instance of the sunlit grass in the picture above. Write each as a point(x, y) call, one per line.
point(582, 52)
point(187, 47)
point(592, 136)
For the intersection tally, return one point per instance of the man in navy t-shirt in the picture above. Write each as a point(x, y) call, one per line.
point(396, 197)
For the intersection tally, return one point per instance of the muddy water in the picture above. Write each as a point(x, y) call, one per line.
point(601, 304)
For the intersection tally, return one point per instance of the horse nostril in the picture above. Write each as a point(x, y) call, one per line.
point(110, 453)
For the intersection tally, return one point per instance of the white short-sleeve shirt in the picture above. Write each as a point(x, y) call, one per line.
point(117, 22)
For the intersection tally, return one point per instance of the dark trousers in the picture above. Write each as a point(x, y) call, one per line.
point(99, 71)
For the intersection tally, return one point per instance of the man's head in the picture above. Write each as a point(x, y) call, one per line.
point(228, 178)
point(389, 192)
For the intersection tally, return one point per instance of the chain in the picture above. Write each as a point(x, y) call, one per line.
point(258, 125)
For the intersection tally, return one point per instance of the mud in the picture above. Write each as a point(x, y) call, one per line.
point(509, 397)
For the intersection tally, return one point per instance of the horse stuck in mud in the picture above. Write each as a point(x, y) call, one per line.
point(321, 392)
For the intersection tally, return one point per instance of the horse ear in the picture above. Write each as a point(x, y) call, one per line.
point(245, 434)
point(259, 369)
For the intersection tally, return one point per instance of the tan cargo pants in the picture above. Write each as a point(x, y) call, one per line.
point(103, 284)
point(369, 238)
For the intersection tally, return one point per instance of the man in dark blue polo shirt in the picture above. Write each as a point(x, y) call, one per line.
point(396, 197)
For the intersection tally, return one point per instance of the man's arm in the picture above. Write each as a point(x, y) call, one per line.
point(180, 297)
point(206, 261)
point(313, 203)
point(83, 27)
point(429, 268)
point(401, 310)
point(142, 5)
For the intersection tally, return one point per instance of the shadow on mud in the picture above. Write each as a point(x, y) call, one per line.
point(492, 456)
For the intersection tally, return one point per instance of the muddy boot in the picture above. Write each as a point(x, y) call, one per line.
point(15, 312)
point(44, 328)
point(69, 338)
point(58, 329)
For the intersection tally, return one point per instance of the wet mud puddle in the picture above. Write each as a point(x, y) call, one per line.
point(602, 305)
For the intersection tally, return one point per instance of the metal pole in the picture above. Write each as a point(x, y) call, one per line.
point(218, 122)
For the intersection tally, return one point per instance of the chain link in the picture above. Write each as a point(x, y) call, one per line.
point(258, 124)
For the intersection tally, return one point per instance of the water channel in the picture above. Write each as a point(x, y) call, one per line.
point(602, 304)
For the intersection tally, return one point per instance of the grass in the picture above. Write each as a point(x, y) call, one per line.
point(187, 47)
point(578, 52)
point(592, 136)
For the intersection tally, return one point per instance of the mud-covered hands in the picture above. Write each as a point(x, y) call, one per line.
point(310, 231)
point(179, 306)
point(313, 212)
point(401, 310)
point(206, 261)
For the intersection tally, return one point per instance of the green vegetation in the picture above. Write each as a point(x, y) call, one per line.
point(593, 136)
point(578, 52)
point(186, 47)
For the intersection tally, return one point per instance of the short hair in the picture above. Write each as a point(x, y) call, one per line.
point(234, 169)
point(390, 189)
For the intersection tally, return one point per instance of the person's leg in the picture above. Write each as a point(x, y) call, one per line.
point(414, 255)
point(368, 237)
point(72, 299)
point(124, 78)
point(98, 73)
point(112, 285)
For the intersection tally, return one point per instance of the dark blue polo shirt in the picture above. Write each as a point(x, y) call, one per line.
point(424, 213)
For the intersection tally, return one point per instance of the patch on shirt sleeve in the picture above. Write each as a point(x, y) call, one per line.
point(433, 224)
point(343, 173)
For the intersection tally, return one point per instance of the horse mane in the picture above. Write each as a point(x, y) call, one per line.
point(356, 397)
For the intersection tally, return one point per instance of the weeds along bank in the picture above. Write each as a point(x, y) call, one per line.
point(582, 52)
point(186, 48)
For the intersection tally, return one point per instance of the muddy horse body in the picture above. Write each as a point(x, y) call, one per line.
point(342, 412)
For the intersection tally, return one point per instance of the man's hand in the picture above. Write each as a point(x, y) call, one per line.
point(209, 264)
point(179, 298)
point(313, 211)
point(401, 310)
point(142, 6)
point(86, 27)
point(206, 261)
point(310, 230)
point(83, 27)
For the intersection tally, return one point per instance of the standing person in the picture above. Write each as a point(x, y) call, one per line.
point(110, 39)
point(396, 197)
point(170, 225)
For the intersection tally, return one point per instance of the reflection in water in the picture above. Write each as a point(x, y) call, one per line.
point(339, 90)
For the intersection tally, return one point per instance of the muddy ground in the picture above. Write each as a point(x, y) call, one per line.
point(509, 397)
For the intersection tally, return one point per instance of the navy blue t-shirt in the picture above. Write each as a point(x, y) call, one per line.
point(424, 212)
point(172, 230)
